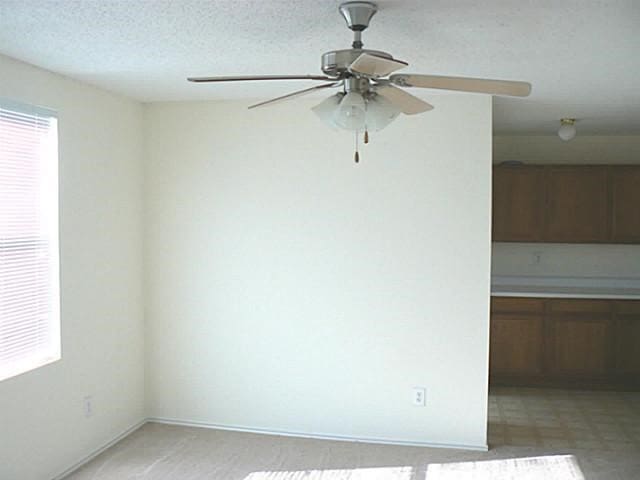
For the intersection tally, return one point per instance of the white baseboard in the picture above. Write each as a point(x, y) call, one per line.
point(97, 452)
point(339, 438)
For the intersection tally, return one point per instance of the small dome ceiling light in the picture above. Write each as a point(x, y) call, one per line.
point(567, 129)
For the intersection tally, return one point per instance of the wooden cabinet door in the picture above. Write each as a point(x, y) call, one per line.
point(576, 204)
point(518, 202)
point(580, 346)
point(628, 337)
point(581, 337)
point(625, 204)
point(516, 344)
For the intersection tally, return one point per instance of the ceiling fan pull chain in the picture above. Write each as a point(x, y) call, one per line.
point(356, 157)
point(366, 136)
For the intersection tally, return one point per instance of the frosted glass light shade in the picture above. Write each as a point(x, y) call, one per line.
point(567, 129)
point(352, 112)
point(326, 109)
point(380, 113)
point(350, 115)
point(566, 132)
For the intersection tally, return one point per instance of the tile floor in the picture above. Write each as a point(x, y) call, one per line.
point(564, 418)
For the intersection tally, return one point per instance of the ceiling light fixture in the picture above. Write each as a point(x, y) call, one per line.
point(371, 94)
point(351, 112)
point(567, 129)
point(356, 112)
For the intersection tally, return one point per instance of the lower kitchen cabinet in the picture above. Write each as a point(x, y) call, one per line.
point(517, 332)
point(565, 343)
point(580, 337)
point(627, 316)
point(516, 342)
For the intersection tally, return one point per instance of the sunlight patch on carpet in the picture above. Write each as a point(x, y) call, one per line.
point(382, 473)
point(552, 467)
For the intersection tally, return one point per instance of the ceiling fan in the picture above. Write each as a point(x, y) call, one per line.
point(370, 98)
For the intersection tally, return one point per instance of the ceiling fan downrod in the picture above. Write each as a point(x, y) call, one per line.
point(358, 15)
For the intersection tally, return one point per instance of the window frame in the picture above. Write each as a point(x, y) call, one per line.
point(45, 196)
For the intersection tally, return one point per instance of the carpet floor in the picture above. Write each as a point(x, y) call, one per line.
point(167, 452)
point(602, 430)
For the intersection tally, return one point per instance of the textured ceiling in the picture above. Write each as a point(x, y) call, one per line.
point(582, 56)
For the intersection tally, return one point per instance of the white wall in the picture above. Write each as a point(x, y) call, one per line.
point(289, 289)
point(42, 427)
point(557, 260)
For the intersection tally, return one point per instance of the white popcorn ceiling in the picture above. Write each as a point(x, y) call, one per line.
point(582, 56)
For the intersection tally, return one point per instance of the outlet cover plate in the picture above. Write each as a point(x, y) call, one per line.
point(419, 396)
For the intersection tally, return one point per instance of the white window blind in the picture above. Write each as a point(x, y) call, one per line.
point(29, 265)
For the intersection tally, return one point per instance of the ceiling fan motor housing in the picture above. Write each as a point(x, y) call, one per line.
point(368, 73)
point(336, 63)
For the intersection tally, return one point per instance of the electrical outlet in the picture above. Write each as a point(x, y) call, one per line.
point(419, 396)
point(87, 406)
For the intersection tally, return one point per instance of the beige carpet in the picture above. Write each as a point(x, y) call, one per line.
point(165, 452)
point(556, 467)
point(383, 473)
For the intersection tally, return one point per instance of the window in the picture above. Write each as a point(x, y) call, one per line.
point(29, 265)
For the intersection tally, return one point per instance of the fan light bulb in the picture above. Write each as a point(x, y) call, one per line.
point(351, 113)
point(567, 129)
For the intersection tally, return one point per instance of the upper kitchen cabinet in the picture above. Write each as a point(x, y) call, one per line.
point(566, 204)
point(518, 201)
point(576, 204)
point(625, 204)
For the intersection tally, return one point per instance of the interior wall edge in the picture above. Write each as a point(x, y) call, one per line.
point(86, 459)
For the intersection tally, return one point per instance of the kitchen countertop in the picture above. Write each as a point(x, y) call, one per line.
point(564, 292)
point(566, 287)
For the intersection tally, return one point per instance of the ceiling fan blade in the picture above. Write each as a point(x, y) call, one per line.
point(258, 77)
point(407, 103)
point(477, 85)
point(290, 96)
point(375, 66)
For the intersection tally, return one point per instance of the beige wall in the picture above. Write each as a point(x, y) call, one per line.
point(583, 149)
point(291, 290)
point(43, 430)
